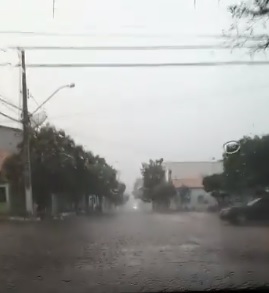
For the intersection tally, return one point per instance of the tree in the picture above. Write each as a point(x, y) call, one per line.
point(213, 182)
point(12, 173)
point(138, 188)
point(153, 174)
point(248, 168)
point(252, 17)
point(162, 194)
point(155, 189)
point(61, 167)
point(245, 171)
point(215, 185)
point(119, 197)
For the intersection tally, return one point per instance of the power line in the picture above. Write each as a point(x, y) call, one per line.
point(139, 35)
point(79, 34)
point(8, 107)
point(5, 101)
point(9, 117)
point(135, 48)
point(124, 65)
point(5, 64)
point(6, 121)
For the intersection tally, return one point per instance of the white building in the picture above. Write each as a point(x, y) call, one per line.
point(181, 170)
point(190, 175)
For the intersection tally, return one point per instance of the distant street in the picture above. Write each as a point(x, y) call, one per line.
point(131, 252)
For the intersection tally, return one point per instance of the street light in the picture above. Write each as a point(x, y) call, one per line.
point(71, 85)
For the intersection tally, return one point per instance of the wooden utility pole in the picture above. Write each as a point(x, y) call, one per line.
point(26, 144)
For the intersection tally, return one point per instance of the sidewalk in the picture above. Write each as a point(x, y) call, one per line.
point(61, 216)
point(18, 218)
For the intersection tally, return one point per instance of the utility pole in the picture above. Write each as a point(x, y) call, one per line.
point(26, 143)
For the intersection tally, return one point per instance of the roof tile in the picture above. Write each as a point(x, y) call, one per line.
point(189, 182)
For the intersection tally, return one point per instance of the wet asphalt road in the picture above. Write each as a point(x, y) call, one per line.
point(132, 252)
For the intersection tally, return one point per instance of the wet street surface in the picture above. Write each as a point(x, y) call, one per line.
point(132, 252)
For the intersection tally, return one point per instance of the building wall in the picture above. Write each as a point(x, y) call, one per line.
point(194, 203)
point(9, 139)
point(193, 169)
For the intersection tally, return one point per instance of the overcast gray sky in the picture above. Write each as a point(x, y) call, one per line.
point(129, 115)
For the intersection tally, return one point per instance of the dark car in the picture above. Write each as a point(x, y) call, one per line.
point(256, 210)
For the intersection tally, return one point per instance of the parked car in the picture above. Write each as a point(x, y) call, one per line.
point(256, 210)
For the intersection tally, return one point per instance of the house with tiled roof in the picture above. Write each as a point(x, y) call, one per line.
point(3, 156)
point(10, 138)
point(189, 176)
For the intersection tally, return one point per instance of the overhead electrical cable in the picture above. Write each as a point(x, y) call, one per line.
point(139, 35)
point(134, 48)
point(125, 65)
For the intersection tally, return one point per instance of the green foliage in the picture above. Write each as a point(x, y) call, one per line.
point(62, 167)
point(153, 174)
point(161, 196)
point(138, 188)
point(252, 16)
point(118, 196)
point(163, 191)
point(246, 170)
point(155, 189)
point(213, 182)
point(254, 8)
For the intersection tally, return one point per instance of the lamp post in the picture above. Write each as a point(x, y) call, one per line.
point(71, 85)
point(26, 131)
point(26, 116)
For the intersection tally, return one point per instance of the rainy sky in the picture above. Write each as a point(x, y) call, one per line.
point(129, 115)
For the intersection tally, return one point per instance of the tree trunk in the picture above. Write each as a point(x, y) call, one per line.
point(154, 206)
point(100, 204)
point(54, 205)
point(87, 208)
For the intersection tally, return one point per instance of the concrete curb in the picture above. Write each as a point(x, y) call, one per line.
point(20, 219)
point(62, 216)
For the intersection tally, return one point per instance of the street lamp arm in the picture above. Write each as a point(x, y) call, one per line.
point(9, 117)
point(52, 95)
